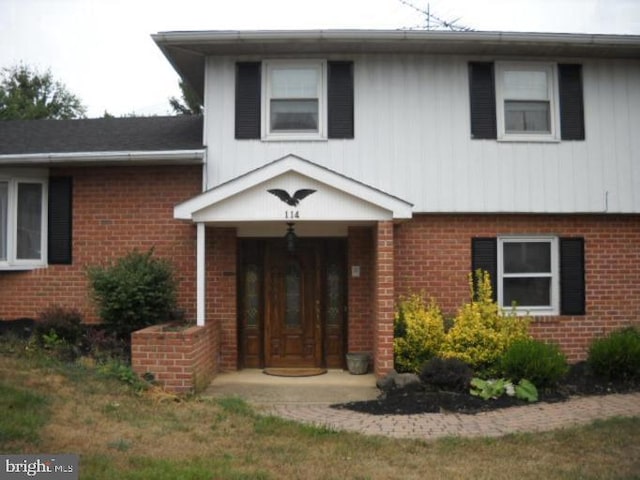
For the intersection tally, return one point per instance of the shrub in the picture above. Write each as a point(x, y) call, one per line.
point(136, 291)
point(617, 356)
point(65, 323)
point(541, 363)
point(59, 331)
point(482, 331)
point(418, 332)
point(447, 373)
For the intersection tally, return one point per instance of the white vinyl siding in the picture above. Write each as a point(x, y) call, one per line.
point(412, 140)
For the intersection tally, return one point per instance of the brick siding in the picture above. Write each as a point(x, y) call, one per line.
point(115, 209)
point(433, 255)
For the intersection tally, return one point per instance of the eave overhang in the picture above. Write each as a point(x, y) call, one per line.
point(164, 157)
point(186, 50)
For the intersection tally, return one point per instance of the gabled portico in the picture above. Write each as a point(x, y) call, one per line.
point(332, 218)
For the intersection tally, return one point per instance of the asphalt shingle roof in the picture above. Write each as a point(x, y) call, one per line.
point(101, 135)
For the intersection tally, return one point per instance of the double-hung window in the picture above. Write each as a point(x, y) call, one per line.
point(526, 101)
point(294, 99)
point(528, 274)
point(23, 222)
point(527, 106)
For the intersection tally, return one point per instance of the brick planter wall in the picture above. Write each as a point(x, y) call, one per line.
point(182, 361)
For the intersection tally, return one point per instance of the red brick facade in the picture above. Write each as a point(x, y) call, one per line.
point(115, 209)
point(433, 254)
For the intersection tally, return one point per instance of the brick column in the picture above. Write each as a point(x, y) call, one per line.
point(383, 299)
point(221, 294)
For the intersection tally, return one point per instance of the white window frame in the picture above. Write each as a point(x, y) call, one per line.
point(268, 67)
point(554, 307)
point(550, 69)
point(12, 262)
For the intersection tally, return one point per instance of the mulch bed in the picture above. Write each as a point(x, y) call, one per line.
point(423, 398)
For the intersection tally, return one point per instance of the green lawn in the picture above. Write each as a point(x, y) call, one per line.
point(49, 407)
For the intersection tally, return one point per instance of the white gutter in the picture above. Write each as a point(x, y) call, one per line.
point(192, 157)
point(239, 36)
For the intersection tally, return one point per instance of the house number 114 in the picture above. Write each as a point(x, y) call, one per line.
point(291, 214)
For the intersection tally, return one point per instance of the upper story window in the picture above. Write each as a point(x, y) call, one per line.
point(526, 102)
point(294, 99)
point(23, 215)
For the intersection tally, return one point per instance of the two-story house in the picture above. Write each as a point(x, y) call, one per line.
point(334, 171)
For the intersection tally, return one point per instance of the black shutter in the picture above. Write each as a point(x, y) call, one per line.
point(484, 256)
point(571, 102)
point(60, 220)
point(572, 296)
point(340, 99)
point(482, 96)
point(248, 99)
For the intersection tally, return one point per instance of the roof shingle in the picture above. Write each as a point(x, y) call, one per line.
point(130, 134)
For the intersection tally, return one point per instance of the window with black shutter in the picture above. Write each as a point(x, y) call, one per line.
point(294, 100)
point(526, 101)
point(60, 220)
point(539, 275)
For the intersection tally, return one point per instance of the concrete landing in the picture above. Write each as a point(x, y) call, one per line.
point(335, 386)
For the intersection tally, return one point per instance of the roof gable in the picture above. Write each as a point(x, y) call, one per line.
point(334, 198)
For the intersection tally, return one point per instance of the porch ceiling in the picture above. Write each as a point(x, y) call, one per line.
point(296, 190)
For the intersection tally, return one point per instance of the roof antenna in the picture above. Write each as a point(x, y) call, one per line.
point(438, 23)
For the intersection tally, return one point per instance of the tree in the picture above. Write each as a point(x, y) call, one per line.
point(26, 94)
point(189, 104)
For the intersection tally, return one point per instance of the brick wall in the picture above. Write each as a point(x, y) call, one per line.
point(221, 293)
point(182, 361)
point(115, 209)
point(360, 319)
point(383, 298)
point(433, 254)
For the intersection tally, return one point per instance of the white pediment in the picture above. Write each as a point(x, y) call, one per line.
point(334, 198)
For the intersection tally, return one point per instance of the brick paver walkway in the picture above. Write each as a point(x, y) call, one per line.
point(530, 418)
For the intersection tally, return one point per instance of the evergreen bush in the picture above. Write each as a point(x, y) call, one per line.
point(482, 331)
point(541, 363)
point(418, 332)
point(136, 291)
point(449, 374)
point(616, 356)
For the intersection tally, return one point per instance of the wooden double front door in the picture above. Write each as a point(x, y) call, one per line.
point(292, 305)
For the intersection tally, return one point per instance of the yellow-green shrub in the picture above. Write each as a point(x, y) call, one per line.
point(418, 332)
point(482, 331)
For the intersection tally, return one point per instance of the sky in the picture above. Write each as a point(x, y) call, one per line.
point(102, 51)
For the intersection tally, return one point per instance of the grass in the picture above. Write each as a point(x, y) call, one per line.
point(121, 432)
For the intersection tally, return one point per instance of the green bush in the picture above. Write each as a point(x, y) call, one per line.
point(541, 363)
point(60, 331)
point(418, 332)
point(616, 356)
point(136, 291)
point(482, 331)
point(447, 373)
point(65, 323)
